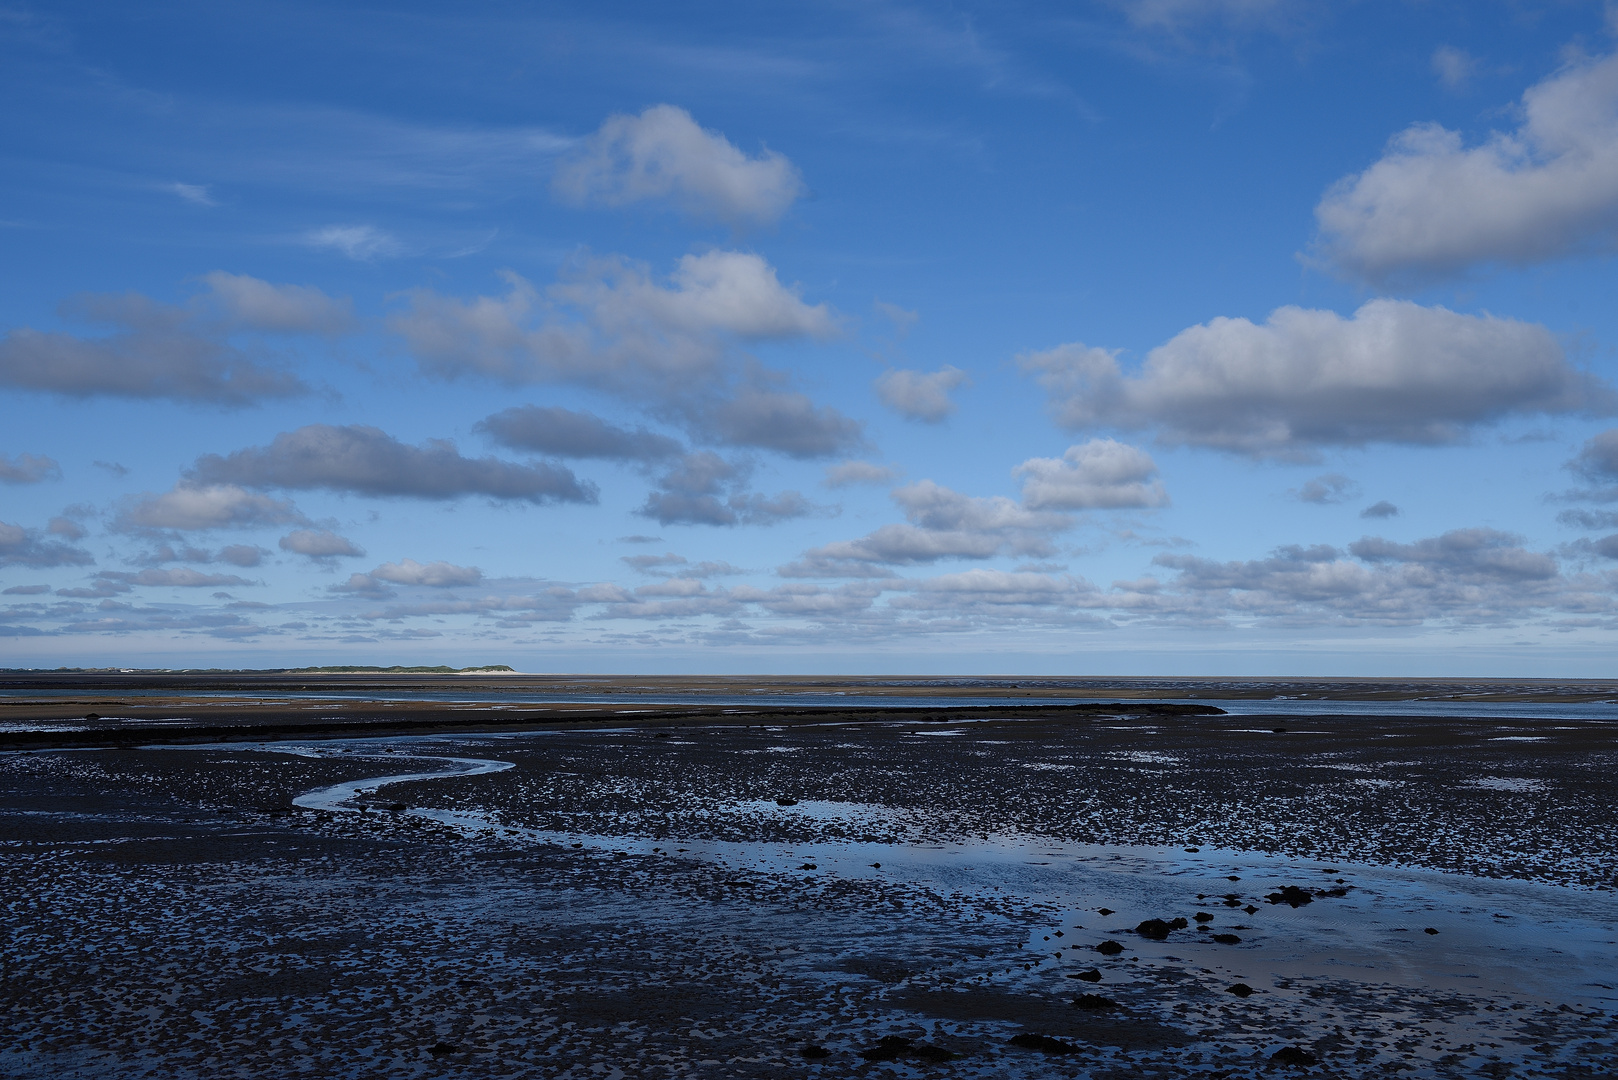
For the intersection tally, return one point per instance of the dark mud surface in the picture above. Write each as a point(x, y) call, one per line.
point(700, 899)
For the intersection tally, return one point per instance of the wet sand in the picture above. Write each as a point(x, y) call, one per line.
point(682, 894)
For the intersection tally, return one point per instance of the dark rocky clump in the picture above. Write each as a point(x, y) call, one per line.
point(1203, 916)
point(1431, 930)
point(1094, 1001)
point(815, 1052)
point(1294, 1055)
point(782, 800)
point(894, 1047)
point(1103, 911)
point(440, 1049)
point(809, 866)
point(1158, 929)
point(1088, 976)
point(1227, 939)
point(1045, 1043)
point(1241, 990)
point(1109, 948)
point(1291, 894)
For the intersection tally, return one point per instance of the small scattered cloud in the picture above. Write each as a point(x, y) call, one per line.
point(1396, 372)
point(437, 575)
point(919, 395)
point(1454, 67)
point(1098, 475)
point(197, 507)
point(319, 545)
point(179, 576)
point(1383, 509)
point(940, 524)
point(568, 434)
point(1176, 16)
point(663, 155)
point(112, 467)
point(26, 590)
point(1589, 519)
point(1598, 458)
point(20, 546)
point(359, 459)
point(784, 421)
point(362, 243)
point(154, 351)
point(638, 538)
point(1433, 207)
point(28, 469)
point(197, 194)
point(434, 575)
point(848, 473)
point(705, 489)
point(672, 565)
point(901, 319)
point(610, 325)
point(1604, 548)
point(1327, 490)
point(244, 302)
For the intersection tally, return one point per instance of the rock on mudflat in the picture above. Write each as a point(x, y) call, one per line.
point(1044, 1043)
point(1109, 948)
point(814, 1052)
point(1291, 894)
point(1241, 990)
point(894, 1047)
point(1094, 1001)
point(1088, 976)
point(1294, 1055)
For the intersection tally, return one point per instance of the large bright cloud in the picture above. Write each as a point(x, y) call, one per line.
point(1394, 372)
point(663, 154)
point(1433, 205)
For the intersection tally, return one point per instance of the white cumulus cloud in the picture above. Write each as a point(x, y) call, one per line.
point(1101, 474)
point(663, 154)
point(1395, 372)
point(1434, 206)
point(920, 395)
point(191, 507)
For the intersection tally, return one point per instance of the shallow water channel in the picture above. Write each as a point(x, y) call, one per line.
point(1519, 944)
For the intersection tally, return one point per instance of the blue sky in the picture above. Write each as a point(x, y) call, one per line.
point(1129, 337)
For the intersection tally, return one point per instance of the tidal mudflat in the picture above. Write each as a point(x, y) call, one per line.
point(722, 891)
